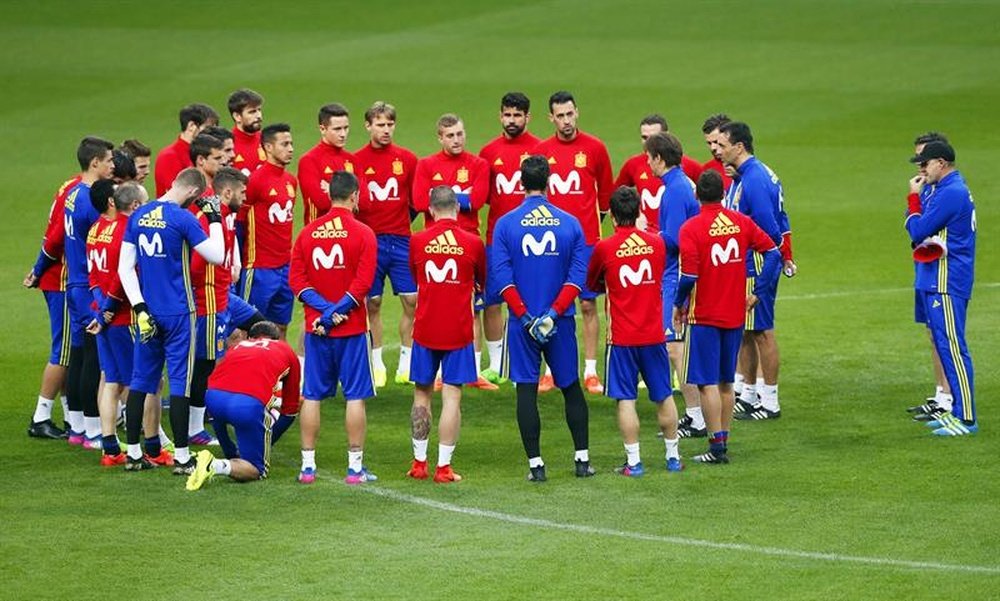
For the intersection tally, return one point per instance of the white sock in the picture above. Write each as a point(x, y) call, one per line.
point(479, 361)
point(404, 360)
point(548, 370)
point(134, 451)
point(632, 453)
point(583, 455)
point(164, 439)
point(945, 400)
point(697, 419)
point(445, 451)
point(377, 358)
point(672, 448)
point(43, 410)
point(769, 397)
point(76, 421)
point(222, 467)
point(309, 458)
point(181, 455)
point(760, 383)
point(495, 350)
point(355, 460)
point(196, 420)
point(92, 426)
point(749, 393)
point(738, 385)
point(65, 407)
point(589, 367)
point(302, 370)
point(535, 462)
point(419, 449)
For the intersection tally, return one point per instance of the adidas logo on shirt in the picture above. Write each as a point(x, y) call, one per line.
point(330, 229)
point(633, 246)
point(541, 216)
point(153, 219)
point(723, 226)
point(444, 244)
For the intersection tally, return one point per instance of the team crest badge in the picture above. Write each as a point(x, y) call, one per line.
point(261, 154)
point(462, 176)
point(290, 189)
point(348, 166)
point(397, 167)
point(580, 160)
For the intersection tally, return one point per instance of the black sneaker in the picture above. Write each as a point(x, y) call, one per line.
point(929, 406)
point(685, 421)
point(138, 465)
point(930, 416)
point(45, 429)
point(583, 469)
point(711, 457)
point(185, 469)
point(742, 406)
point(537, 474)
point(689, 432)
point(66, 429)
point(758, 413)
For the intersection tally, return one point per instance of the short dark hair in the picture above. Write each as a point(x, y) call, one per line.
point(515, 100)
point(709, 187)
point(655, 119)
point(666, 146)
point(714, 122)
point(443, 198)
point(202, 146)
point(334, 109)
point(264, 329)
point(126, 194)
point(625, 205)
point(739, 133)
point(535, 172)
point(380, 107)
point(192, 177)
point(342, 185)
point(218, 132)
point(243, 98)
point(560, 97)
point(91, 148)
point(226, 178)
point(931, 136)
point(270, 133)
point(101, 192)
point(124, 165)
point(135, 149)
point(197, 113)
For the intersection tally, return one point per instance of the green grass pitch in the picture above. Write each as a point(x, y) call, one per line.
point(843, 498)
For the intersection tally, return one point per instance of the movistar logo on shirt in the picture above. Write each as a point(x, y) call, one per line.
point(331, 229)
point(444, 244)
point(541, 216)
point(633, 246)
point(153, 219)
point(446, 273)
point(723, 226)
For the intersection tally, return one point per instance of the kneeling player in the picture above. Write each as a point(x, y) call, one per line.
point(628, 265)
point(239, 395)
point(713, 245)
point(448, 263)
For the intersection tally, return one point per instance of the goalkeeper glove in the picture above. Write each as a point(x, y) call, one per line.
point(209, 209)
point(544, 327)
point(526, 321)
point(146, 323)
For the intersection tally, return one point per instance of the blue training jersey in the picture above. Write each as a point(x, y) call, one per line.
point(757, 193)
point(538, 248)
point(78, 216)
point(679, 205)
point(163, 235)
point(950, 214)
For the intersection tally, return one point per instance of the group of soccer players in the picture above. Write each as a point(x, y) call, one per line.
point(202, 281)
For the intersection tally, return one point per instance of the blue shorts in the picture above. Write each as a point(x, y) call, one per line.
point(761, 316)
point(491, 296)
point(239, 311)
point(522, 355)
point(331, 360)
point(115, 351)
point(919, 311)
point(458, 366)
point(211, 333)
point(78, 302)
point(586, 293)
point(712, 354)
point(669, 293)
point(269, 292)
point(393, 261)
point(58, 327)
point(251, 422)
point(622, 367)
point(174, 346)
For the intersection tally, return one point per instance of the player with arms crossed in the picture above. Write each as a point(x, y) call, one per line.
point(448, 264)
point(713, 245)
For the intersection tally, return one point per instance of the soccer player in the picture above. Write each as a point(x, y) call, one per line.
point(84, 374)
point(333, 265)
point(503, 154)
point(207, 156)
point(664, 155)
point(318, 164)
point(141, 156)
point(540, 263)
point(246, 107)
point(385, 208)
point(269, 208)
point(240, 395)
point(228, 144)
point(942, 393)
point(448, 263)
point(177, 156)
point(581, 184)
point(757, 192)
point(158, 243)
point(113, 315)
point(628, 266)
point(713, 284)
point(943, 228)
point(711, 130)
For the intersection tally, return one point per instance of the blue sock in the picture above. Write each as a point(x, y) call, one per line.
point(717, 443)
point(110, 445)
point(153, 446)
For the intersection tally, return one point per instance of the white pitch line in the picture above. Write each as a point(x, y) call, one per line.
point(842, 293)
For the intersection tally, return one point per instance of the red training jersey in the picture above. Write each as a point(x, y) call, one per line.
point(636, 174)
point(335, 255)
point(388, 173)
point(503, 155)
point(170, 161)
point(629, 266)
point(249, 153)
point(448, 264)
point(211, 282)
point(104, 245)
point(713, 245)
point(581, 181)
point(315, 169)
point(464, 173)
point(53, 279)
point(269, 208)
point(255, 368)
point(718, 167)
